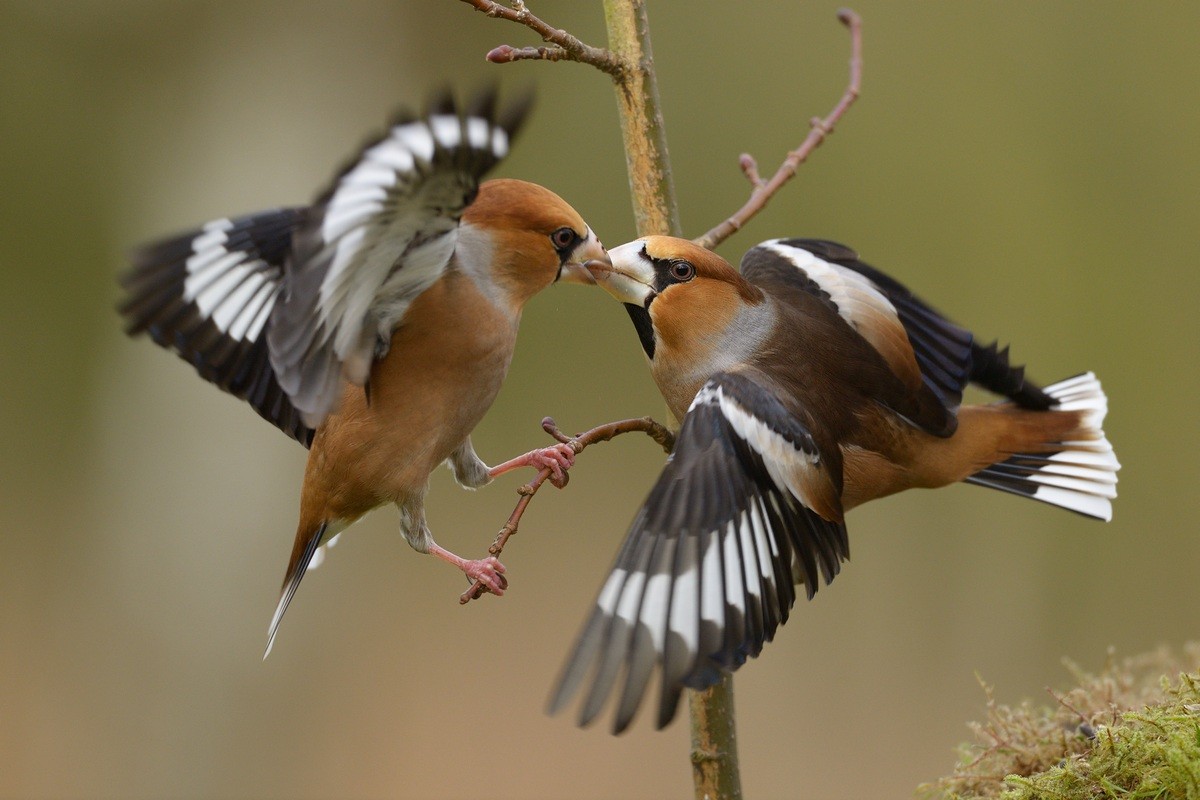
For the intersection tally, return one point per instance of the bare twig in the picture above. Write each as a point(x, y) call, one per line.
point(506, 54)
point(629, 63)
point(819, 131)
point(565, 46)
point(601, 433)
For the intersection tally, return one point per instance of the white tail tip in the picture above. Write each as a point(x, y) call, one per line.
point(1082, 475)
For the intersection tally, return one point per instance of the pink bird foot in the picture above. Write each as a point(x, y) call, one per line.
point(557, 458)
point(488, 571)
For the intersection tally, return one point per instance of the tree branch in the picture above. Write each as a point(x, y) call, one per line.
point(643, 131)
point(715, 770)
point(601, 433)
point(762, 191)
point(565, 46)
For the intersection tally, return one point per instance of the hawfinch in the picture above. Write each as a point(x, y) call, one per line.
point(807, 384)
point(376, 325)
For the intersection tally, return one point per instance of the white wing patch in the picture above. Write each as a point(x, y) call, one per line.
point(788, 466)
point(735, 590)
point(859, 302)
point(369, 242)
point(712, 606)
point(446, 129)
point(499, 142)
point(477, 135)
point(653, 612)
point(225, 285)
point(417, 137)
point(856, 297)
point(685, 621)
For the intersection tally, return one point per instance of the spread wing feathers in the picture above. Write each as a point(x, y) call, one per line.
point(207, 295)
point(381, 235)
point(942, 351)
point(706, 573)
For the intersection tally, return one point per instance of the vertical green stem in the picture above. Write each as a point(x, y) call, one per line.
point(654, 207)
point(714, 744)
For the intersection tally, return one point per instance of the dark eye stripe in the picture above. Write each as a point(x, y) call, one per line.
point(669, 270)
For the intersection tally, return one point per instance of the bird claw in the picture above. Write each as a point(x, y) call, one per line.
point(488, 571)
point(558, 459)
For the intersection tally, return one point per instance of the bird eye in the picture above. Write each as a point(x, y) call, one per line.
point(682, 270)
point(563, 238)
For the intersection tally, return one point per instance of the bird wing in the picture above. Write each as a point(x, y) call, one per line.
point(948, 355)
point(747, 502)
point(379, 236)
point(207, 295)
point(921, 346)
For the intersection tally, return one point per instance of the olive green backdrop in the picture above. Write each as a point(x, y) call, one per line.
point(1031, 168)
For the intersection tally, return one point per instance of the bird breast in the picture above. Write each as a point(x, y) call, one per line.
point(447, 360)
point(682, 364)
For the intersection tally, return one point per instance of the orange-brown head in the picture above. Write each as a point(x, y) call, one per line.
point(694, 313)
point(519, 238)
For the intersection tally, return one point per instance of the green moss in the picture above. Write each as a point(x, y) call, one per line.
point(1131, 731)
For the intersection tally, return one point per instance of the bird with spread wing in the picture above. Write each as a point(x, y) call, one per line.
point(807, 384)
point(376, 325)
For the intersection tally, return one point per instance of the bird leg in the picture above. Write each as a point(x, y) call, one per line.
point(486, 571)
point(601, 433)
point(557, 458)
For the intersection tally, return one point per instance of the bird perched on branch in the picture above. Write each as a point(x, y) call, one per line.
point(376, 325)
point(807, 384)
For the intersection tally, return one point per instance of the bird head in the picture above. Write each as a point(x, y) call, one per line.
point(528, 237)
point(679, 295)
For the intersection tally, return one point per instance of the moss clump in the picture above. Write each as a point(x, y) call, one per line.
point(1130, 731)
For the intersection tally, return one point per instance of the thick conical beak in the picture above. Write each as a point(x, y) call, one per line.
point(575, 269)
point(626, 274)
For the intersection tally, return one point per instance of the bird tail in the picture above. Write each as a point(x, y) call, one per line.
point(302, 557)
point(1059, 456)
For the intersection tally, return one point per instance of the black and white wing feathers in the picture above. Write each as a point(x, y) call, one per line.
point(920, 345)
point(207, 295)
point(707, 572)
point(382, 234)
point(947, 354)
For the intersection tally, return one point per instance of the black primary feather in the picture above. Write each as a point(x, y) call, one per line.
point(675, 602)
point(207, 295)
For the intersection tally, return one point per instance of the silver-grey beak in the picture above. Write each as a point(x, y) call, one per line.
point(625, 274)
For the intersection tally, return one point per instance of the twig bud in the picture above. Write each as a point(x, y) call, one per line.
point(501, 55)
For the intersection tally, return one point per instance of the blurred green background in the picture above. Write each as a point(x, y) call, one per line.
point(1032, 168)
